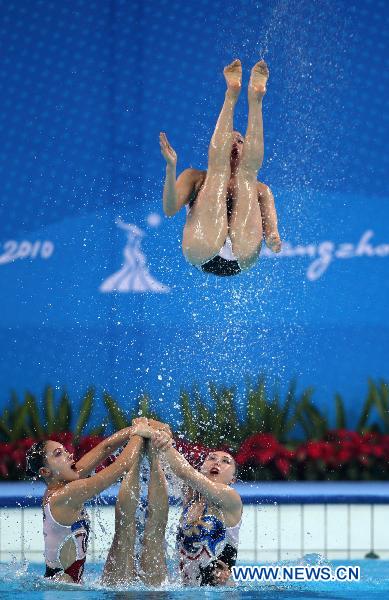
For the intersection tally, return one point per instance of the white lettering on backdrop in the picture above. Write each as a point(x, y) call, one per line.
point(14, 250)
point(326, 252)
point(134, 275)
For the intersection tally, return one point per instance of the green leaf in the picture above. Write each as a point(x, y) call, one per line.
point(99, 430)
point(256, 401)
point(38, 430)
point(144, 410)
point(14, 405)
point(116, 415)
point(5, 431)
point(84, 413)
point(21, 428)
point(226, 423)
point(64, 413)
point(340, 419)
point(302, 418)
point(189, 425)
point(48, 401)
point(366, 410)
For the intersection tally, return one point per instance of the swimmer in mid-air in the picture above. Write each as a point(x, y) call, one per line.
point(228, 210)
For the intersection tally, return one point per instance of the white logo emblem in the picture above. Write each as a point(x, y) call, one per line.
point(134, 275)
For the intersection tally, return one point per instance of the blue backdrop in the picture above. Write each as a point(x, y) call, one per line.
point(94, 287)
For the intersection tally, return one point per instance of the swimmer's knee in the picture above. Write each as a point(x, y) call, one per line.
point(247, 256)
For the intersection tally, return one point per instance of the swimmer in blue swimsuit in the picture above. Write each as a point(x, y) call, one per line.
point(228, 210)
point(208, 532)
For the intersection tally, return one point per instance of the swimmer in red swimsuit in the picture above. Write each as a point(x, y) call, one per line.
point(71, 484)
point(228, 210)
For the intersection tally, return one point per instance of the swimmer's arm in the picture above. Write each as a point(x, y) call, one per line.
point(97, 455)
point(178, 193)
point(269, 217)
point(220, 494)
point(74, 494)
point(175, 193)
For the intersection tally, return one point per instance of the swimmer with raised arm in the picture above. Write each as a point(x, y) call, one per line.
point(71, 484)
point(228, 210)
point(209, 526)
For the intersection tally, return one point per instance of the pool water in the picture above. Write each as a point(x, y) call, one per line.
point(25, 581)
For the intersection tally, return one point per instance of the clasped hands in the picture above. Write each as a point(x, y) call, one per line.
point(159, 433)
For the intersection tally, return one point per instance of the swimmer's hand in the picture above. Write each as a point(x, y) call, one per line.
point(168, 152)
point(221, 574)
point(161, 440)
point(141, 427)
point(160, 426)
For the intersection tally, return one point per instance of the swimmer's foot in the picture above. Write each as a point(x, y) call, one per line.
point(233, 77)
point(258, 80)
point(273, 241)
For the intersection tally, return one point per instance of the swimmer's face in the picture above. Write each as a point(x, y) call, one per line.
point(237, 145)
point(60, 465)
point(219, 466)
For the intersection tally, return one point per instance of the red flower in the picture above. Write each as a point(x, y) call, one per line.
point(194, 453)
point(264, 456)
point(265, 449)
point(316, 450)
point(65, 438)
point(86, 444)
point(259, 447)
point(26, 443)
point(4, 470)
point(5, 449)
point(18, 457)
point(283, 465)
point(343, 455)
point(372, 436)
point(343, 435)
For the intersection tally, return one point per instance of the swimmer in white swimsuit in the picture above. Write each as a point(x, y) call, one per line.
point(71, 484)
point(229, 211)
point(209, 527)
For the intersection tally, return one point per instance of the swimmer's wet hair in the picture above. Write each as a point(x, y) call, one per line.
point(35, 458)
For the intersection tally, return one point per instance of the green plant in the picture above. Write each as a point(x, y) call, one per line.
point(215, 422)
point(25, 420)
point(119, 419)
point(378, 398)
point(315, 424)
point(270, 415)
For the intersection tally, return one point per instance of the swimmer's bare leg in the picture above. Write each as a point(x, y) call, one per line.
point(206, 227)
point(153, 569)
point(246, 220)
point(119, 567)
